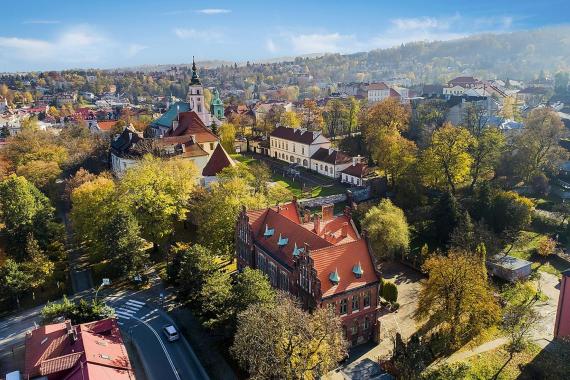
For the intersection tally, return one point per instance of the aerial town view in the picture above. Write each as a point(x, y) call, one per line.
point(295, 190)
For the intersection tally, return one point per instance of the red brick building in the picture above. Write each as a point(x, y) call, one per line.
point(322, 260)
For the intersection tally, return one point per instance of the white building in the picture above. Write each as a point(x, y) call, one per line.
point(376, 92)
point(296, 145)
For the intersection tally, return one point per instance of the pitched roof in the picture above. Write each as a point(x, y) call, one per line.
point(165, 120)
point(189, 123)
point(357, 170)
point(342, 258)
point(335, 157)
point(97, 353)
point(377, 86)
point(106, 125)
point(299, 135)
point(462, 80)
point(218, 161)
point(337, 246)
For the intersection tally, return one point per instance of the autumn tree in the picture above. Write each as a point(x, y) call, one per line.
point(228, 136)
point(388, 229)
point(383, 117)
point(446, 163)
point(290, 119)
point(281, 338)
point(216, 211)
point(395, 155)
point(158, 192)
point(510, 211)
point(537, 147)
point(456, 298)
point(312, 117)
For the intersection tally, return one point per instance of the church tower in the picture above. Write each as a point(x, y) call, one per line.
point(195, 96)
point(217, 106)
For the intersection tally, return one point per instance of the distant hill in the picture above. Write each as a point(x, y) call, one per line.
point(517, 55)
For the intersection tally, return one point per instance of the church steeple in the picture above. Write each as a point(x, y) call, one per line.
point(195, 79)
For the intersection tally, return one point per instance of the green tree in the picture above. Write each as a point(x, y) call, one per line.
point(23, 210)
point(446, 217)
point(37, 265)
point(390, 292)
point(122, 244)
point(158, 192)
point(215, 299)
point(395, 155)
point(510, 211)
point(197, 263)
point(14, 280)
point(488, 147)
point(40, 173)
point(388, 229)
point(251, 287)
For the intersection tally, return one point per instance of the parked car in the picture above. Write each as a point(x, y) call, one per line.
point(170, 333)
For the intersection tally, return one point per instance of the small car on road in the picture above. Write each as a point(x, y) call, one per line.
point(170, 333)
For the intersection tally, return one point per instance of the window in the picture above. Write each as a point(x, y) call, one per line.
point(199, 108)
point(355, 303)
point(343, 306)
point(367, 299)
point(293, 148)
point(211, 146)
point(366, 324)
point(354, 328)
point(273, 274)
point(321, 166)
point(326, 169)
point(303, 150)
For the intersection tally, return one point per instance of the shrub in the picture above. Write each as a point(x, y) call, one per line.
point(390, 292)
point(546, 247)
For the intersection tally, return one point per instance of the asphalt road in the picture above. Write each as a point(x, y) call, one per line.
point(161, 359)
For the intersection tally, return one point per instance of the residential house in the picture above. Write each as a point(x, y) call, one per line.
point(89, 351)
point(296, 145)
point(330, 162)
point(357, 173)
point(376, 92)
point(322, 260)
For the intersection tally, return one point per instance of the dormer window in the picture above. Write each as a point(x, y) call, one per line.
point(334, 277)
point(268, 231)
point(297, 251)
point(357, 270)
point(282, 241)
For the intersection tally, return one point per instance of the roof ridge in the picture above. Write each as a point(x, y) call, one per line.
point(297, 224)
point(338, 245)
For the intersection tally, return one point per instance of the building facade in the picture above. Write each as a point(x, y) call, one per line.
point(322, 260)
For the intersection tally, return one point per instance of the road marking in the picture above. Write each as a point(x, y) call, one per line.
point(123, 317)
point(136, 302)
point(163, 347)
point(130, 308)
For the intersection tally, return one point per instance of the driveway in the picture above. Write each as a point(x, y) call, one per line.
point(543, 332)
point(363, 362)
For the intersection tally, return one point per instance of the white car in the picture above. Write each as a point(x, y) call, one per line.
point(170, 333)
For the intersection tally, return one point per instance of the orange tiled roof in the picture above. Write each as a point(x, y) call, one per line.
point(343, 258)
point(330, 249)
point(106, 125)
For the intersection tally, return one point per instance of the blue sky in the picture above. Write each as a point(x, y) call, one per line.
point(52, 35)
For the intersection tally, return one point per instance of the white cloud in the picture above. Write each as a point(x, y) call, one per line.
point(47, 22)
point(213, 11)
point(270, 45)
point(134, 49)
point(204, 35)
point(416, 23)
point(320, 43)
point(80, 45)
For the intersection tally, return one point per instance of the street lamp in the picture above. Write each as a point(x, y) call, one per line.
point(105, 282)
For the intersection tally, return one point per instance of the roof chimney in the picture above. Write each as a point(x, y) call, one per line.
point(344, 230)
point(183, 148)
point(317, 223)
point(174, 124)
point(327, 211)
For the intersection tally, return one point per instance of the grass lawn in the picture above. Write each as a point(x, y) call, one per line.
point(525, 248)
point(295, 186)
point(552, 364)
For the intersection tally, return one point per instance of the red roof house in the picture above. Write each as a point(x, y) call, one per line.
point(322, 260)
point(90, 351)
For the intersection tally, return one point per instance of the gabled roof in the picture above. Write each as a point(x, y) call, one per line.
point(336, 248)
point(106, 125)
point(218, 161)
point(189, 123)
point(299, 135)
point(377, 86)
point(98, 352)
point(335, 157)
point(358, 170)
point(462, 80)
point(342, 258)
